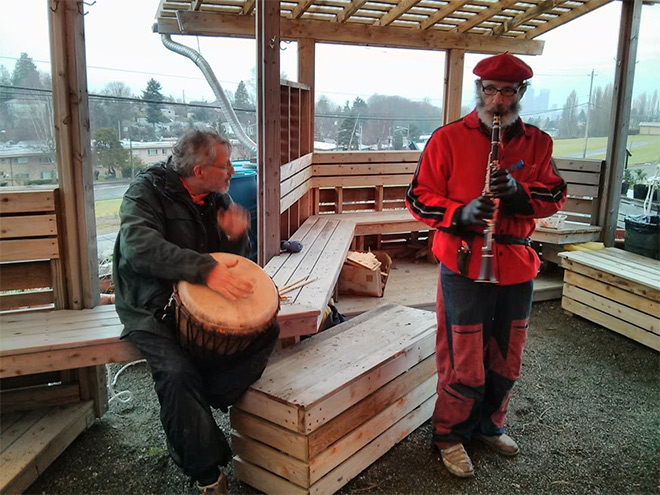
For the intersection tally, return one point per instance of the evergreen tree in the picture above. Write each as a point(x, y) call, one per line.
point(109, 152)
point(242, 100)
point(25, 73)
point(153, 94)
point(348, 128)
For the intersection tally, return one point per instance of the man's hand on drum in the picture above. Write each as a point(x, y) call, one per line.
point(227, 284)
point(234, 220)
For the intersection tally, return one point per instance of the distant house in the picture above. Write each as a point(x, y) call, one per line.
point(149, 152)
point(168, 112)
point(649, 128)
point(26, 162)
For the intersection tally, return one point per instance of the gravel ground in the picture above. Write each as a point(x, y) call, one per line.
point(585, 413)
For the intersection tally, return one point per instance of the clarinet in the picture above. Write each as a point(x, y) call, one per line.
point(486, 274)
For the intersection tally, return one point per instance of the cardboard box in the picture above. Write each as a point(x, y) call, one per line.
point(360, 278)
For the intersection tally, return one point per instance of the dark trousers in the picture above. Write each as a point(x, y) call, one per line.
point(482, 329)
point(188, 389)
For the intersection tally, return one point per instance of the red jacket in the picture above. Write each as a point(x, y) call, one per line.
point(451, 172)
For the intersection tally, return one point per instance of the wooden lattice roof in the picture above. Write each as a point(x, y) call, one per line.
point(479, 25)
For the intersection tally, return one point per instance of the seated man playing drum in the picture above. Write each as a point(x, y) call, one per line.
point(172, 216)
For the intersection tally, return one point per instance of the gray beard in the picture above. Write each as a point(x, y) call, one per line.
point(509, 114)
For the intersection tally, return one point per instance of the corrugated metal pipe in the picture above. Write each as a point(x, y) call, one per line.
point(225, 105)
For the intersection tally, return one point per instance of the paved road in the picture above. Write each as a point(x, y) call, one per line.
point(110, 190)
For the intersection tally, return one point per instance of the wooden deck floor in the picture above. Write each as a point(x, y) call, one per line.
point(414, 284)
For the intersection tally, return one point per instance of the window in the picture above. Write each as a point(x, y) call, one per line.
point(46, 175)
point(26, 60)
point(152, 152)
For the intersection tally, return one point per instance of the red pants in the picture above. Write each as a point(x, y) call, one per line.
point(482, 329)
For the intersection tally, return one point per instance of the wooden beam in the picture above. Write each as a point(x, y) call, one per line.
point(217, 24)
point(301, 8)
point(248, 7)
point(585, 8)
point(196, 4)
point(268, 120)
point(454, 67)
point(483, 15)
point(401, 8)
point(526, 15)
point(74, 157)
point(442, 13)
point(631, 13)
point(350, 9)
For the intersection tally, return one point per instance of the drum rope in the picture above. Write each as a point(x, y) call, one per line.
point(125, 395)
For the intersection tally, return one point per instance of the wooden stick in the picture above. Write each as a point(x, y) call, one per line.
point(296, 286)
point(293, 283)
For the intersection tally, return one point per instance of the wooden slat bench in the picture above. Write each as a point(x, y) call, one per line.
point(52, 384)
point(32, 440)
point(61, 340)
point(369, 188)
point(616, 289)
point(325, 410)
point(584, 180)
point(325, 244)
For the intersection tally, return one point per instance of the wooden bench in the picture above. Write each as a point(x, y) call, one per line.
point(325, 410)
point(369, 189)
point(616, 289)
point(51, 383)
point(584, 180)
point(326, 242)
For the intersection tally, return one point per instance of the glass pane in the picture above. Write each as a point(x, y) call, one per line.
point(371, 98)
point(566, 76)
point(643, 145)
point(27, 144)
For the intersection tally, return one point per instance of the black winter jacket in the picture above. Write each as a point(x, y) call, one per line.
point(163, 238)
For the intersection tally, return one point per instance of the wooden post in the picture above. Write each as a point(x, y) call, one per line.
point(454, 65)
point(74, 165)
point(631, 12)
point(268, 120)
point(306, 69)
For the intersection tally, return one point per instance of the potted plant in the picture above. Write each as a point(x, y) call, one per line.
point(626, 181)
point(640, 188)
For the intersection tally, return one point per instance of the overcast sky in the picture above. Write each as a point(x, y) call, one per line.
point(122, 47)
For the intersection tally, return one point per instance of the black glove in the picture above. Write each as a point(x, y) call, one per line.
point(502, 185)
point(477, 211)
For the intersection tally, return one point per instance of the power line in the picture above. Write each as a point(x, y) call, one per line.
point(127, 99)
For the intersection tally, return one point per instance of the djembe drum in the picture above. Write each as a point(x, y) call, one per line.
point(211, 327)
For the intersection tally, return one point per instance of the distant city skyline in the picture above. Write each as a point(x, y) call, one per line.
point(134, 54)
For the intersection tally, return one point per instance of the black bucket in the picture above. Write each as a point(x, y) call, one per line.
point(643, 235)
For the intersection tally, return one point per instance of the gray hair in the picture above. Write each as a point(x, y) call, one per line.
point(196, 147)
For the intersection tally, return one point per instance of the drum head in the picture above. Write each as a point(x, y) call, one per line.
point(241, 316)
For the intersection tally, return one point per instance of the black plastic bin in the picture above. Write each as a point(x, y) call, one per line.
point(643, 235)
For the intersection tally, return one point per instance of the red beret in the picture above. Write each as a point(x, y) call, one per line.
point(503, 67)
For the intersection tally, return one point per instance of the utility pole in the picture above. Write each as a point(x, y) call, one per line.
point(586, 125)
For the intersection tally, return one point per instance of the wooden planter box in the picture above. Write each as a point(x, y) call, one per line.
point(616, 289)
point(326, 409)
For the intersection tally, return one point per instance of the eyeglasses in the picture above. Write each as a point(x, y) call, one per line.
point(224, 168)
point(506, 91)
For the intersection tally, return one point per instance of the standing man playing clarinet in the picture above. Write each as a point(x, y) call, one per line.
point(482, 326)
